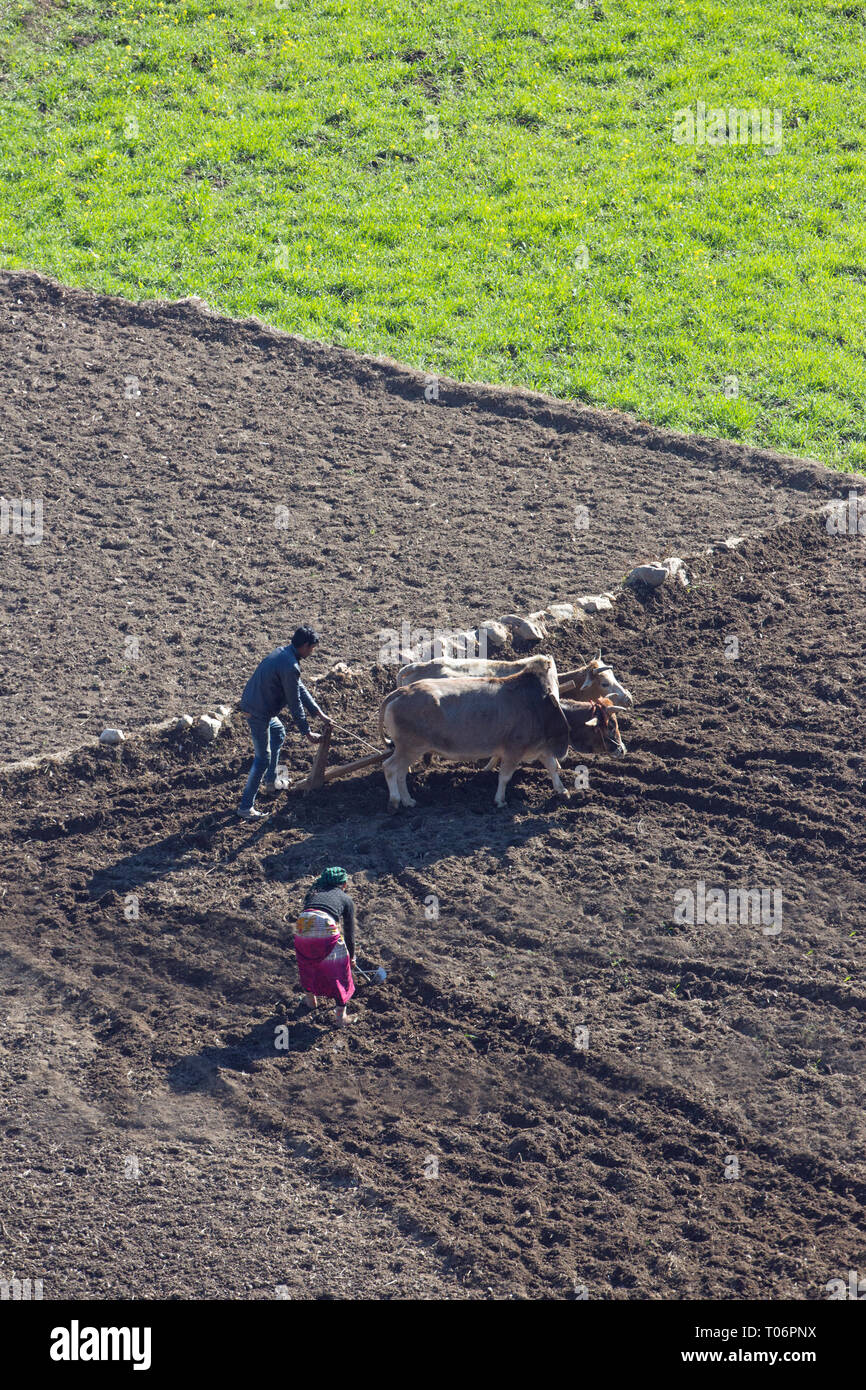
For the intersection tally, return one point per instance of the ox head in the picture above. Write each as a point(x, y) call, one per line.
point(593, 726)
point(600, 682)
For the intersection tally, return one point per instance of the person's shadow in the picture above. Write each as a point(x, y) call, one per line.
point(180, 850)
point(286, 1032)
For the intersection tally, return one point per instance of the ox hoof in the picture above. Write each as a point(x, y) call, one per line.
point(410, 802)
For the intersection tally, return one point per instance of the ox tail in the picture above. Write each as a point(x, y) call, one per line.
point(395, 695)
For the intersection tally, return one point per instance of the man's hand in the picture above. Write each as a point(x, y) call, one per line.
point(313, 738)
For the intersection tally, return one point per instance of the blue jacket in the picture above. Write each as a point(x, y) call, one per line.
point(276, 682)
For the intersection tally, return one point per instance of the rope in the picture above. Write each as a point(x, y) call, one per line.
point(340, 729)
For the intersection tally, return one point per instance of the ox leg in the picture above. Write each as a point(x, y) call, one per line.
point(506, 771)
point(405, 798)
point(553, 768)
point(389, 767)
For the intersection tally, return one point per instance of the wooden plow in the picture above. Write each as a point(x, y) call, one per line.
point(320, 775)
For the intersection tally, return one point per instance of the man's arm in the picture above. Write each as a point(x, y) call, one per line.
point(291, 678)
point(308, 702)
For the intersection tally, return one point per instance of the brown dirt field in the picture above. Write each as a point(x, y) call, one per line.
point(156, 1142)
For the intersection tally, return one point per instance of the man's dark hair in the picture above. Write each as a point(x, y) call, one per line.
point(303, 635)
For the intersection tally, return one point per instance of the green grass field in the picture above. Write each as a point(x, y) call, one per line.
point(490, 191)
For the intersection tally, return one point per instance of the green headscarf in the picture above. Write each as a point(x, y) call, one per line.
point(331, 878)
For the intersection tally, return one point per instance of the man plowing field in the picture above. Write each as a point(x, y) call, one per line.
point(276, 683)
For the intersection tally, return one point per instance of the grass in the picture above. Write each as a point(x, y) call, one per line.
point(490, 191)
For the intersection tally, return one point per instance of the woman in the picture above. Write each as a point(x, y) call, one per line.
point(325, 952)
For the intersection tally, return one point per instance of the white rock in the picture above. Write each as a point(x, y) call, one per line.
point(112, 736)
point(459, 644)
point(677, 570)
point(495, 634)
point(559, 613)
point(733, 541)
point(224, 711)
point(595, 603)
point(524, 627)
point(207, 728)
point(184, 722)
point(649, 574)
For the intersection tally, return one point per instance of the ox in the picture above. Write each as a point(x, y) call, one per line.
point(594, 679)
point(596, 682)
point(515, 718)
point(593, 727)
point(449, 668)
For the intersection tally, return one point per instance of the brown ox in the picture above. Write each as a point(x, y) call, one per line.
point(593, 727)
point(514, 718)
point(596, 681)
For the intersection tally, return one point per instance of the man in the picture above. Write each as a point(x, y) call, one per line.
point(276, 682)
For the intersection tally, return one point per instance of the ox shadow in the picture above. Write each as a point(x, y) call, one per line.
point(453, 819)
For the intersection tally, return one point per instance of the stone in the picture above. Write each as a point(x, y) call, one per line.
point(676, 569)
point(523, 627)
point(112, 736)
point(559, 613)
point(595, 603)
point(653, 575)
point(224, 711)
point(493, 633)
point(458, 644)
point(538, 620)
point(185, 721)
point(207, 728)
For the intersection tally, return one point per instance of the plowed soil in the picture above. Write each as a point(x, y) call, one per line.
point(562, 1090)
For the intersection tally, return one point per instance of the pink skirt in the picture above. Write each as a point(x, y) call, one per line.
point(324, 967)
